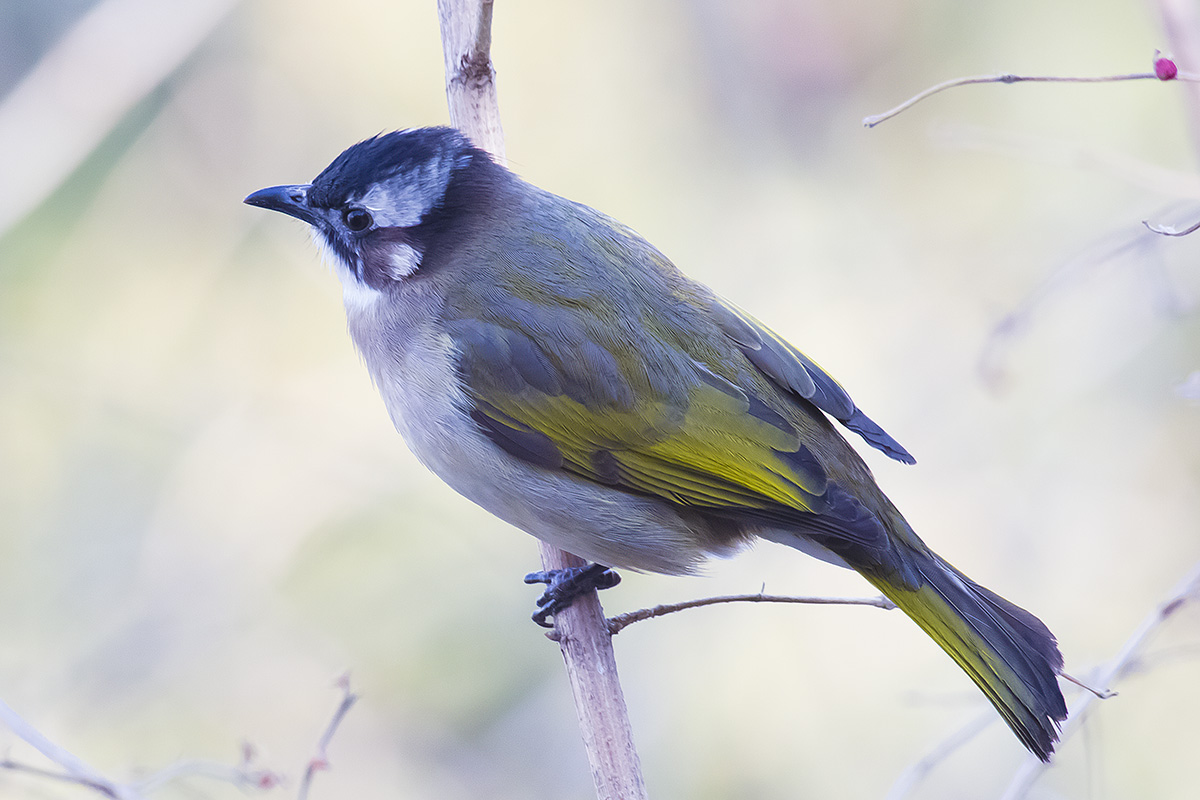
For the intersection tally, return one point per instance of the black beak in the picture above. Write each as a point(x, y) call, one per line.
point(290, 200)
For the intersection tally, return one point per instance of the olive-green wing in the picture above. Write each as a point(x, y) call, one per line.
point(570, 404)
point(799, 375)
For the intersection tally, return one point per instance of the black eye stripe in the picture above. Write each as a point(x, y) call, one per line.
point(357, 219)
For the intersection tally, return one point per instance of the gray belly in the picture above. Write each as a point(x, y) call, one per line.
point(429, 407)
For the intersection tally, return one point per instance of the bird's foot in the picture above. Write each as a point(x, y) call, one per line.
point(563, 586)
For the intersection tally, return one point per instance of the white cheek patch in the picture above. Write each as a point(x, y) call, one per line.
point(403, 261)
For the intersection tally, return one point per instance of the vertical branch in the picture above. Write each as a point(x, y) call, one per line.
point(582, 633)
point(470, 78)
point(581, 630)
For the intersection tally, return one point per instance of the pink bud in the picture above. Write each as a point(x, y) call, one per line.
point(1164, 68)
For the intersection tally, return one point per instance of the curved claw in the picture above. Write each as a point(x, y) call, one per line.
point(563, 586)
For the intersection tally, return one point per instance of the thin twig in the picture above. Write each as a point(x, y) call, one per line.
point(76, 768)
point(1110, 163)
point(911, 777)
point(1121, 245)
point(243, 775)
point(104, 788)
point(320, 760)
point(1101, 694)
point(1155, 660)
point(1189, 387)
point(1185, 591)
point(1169, 231)
point(1125, 663)
point(621, 621)
point(875, 119)
point(76, 771)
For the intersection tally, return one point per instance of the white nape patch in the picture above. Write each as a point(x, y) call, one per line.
point(402, 261)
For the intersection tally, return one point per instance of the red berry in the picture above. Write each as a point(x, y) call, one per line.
point(1165, 69)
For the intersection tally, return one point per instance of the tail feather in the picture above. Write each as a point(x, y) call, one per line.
point(1008, 652)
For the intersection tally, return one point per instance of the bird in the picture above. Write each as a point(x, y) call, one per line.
point(555, 368)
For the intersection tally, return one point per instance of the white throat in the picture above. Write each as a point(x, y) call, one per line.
point(359, 298)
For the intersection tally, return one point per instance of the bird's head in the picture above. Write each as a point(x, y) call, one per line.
point(370, 209)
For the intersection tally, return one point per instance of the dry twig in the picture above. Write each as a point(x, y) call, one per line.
point(320, 760)
point(1186, 591)
point(1157, 75)
point(76, 771)
point(1126, 661)
point(911, 777)
point(621, 621)
point(1167, 230)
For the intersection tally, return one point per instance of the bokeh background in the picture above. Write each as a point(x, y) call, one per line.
point(205, 516)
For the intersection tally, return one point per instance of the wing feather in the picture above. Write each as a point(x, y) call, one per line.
point(708, 452)
point(795, 372)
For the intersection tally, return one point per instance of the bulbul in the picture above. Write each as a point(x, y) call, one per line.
point(552, 366)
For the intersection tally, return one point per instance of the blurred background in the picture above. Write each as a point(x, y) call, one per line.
point(205, 516)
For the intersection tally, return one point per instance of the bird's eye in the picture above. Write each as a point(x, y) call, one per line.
point(357, 219)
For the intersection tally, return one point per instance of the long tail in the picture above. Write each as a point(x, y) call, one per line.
point(1009, 653)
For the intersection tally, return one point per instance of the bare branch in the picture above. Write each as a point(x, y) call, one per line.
point(320, 760)
point(243, 775)
point(104, 788)
point(78, 92)
point(875, 119)
point(582, 633)
point(1111, 163)
point(470, 77)
point(621, 621)
point(1189, 387)
point(1187, 590)
point(581, 630)
point(1101, 694)
point(77, 770)
point(1122, 244)
point(1125, 663)
point(911, 777)
point(1169, 231)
